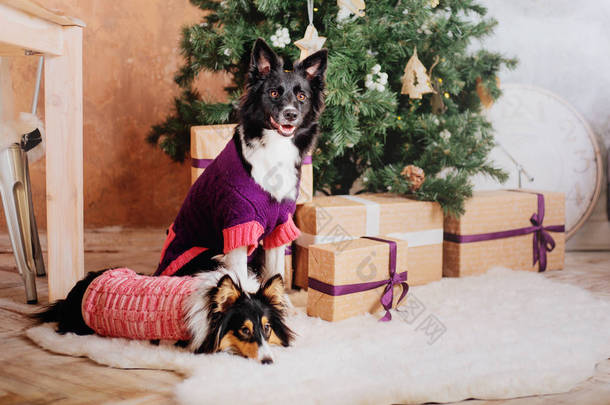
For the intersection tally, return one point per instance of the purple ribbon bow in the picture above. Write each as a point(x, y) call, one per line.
point(388, 293)
point(543, 241)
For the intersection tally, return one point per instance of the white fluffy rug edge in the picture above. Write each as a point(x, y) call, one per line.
point(504, 334)
point(114, 352)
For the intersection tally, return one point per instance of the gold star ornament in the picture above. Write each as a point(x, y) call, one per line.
point(310, 43)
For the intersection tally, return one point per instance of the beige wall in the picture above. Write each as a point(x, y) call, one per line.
point(131, 52)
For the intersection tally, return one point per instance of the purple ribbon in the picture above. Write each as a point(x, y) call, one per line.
point(201, 163)
point(543, 241)
point(307, 160)
point(288, 250)
point(388, 294)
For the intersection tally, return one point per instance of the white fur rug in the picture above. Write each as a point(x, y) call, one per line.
point(500, 335)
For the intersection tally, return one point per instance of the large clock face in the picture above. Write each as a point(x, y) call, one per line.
point(552, 142)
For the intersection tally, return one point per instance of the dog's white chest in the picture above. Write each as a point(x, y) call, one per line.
point(274, 159)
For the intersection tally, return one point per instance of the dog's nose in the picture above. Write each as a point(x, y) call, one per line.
point(290, 114)
point(267, 360)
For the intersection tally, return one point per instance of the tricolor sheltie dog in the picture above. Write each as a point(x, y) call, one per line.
point(208, 292)
point(208, 313)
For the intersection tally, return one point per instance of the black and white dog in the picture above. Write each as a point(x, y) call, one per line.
point(233, 306)
point(278, 126)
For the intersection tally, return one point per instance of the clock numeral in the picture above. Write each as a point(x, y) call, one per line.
point(567, 128)
point(584, 161)
point(576, 195)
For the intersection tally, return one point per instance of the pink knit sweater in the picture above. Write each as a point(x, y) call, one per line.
point(121, 303)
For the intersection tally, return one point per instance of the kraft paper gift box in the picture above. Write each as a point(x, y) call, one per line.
point(335, 218)
point(356, 276)
point(521, 230)
point(288, 267)
point(207, 141)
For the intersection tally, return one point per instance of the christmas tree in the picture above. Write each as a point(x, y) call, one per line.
point(373, 137)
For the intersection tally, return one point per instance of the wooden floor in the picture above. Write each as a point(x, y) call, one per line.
point(30, 375)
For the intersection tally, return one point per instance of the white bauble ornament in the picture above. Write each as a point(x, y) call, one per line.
point(376, 80)
point(445, 135)
point(281, 38)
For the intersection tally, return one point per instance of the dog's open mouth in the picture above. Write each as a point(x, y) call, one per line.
point(284, 130)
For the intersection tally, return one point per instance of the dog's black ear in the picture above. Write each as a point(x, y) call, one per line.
point(263, 59)
point(314, 66)
point(225, 294)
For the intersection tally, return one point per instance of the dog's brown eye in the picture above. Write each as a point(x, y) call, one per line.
point(301, 96)
point(274, 94)
point(267, 330)
point(245, 331)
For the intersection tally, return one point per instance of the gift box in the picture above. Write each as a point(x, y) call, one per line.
point(517, 229)
point(207, 141)
point(288, 267)
point(357, 276)
point(336, 218)
point(306, 182)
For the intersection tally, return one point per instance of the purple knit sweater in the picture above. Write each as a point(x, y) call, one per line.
point(226, 209)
